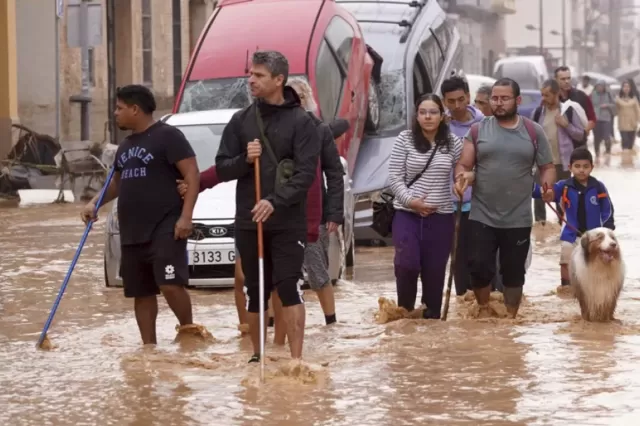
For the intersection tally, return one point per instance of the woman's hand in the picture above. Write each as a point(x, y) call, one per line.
point(419, 206)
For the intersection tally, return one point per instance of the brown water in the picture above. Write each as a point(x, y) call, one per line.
point(546, 368)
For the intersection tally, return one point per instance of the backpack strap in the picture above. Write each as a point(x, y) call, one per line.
point(475, 129)
point(536, 114)
point(565, 199)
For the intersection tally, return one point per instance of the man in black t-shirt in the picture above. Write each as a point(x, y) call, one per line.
point(154, 220)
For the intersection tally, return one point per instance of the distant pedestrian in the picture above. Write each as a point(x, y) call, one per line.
point(154, 220)
point(455, 92)
point(482, 100)
point(628, 117)
point(567, 92)
point(563, 128)
point(605, 107)
point(276, 122)
point(503, 150)
point(420, 168)
point(585, 85)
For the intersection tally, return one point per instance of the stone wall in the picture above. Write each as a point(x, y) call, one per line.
point(37, 107)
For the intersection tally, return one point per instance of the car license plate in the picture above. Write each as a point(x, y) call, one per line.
point(212, 257)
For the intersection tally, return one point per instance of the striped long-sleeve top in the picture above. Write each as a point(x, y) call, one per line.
point(435, 185)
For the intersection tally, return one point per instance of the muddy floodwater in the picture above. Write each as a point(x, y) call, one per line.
point(545, 368)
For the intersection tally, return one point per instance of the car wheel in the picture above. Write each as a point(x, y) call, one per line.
point(106, 274)
point(373, 108)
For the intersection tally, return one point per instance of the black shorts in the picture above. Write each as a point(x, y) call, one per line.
point(514, 249)
point(146, 267)
point(283, 259)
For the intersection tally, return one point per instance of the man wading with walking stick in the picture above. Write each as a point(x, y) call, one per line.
point(503, 150)
point(277, 126)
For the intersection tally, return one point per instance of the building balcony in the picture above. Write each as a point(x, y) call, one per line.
point(503, 7)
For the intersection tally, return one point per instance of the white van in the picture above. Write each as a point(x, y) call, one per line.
point(528, 71)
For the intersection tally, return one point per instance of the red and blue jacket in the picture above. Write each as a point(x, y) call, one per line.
point(583, 209)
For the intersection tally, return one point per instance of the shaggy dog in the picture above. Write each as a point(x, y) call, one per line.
point(597, 274)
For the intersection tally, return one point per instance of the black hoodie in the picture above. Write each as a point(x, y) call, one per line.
point(293, 135)
point(331, 166)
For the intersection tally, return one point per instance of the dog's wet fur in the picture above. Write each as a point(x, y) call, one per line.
point(597, 274)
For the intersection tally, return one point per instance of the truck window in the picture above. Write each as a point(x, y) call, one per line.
point(340, 36)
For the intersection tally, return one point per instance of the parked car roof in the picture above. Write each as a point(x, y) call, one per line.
point(476, 81)
point(218, 116)
point(242, 25)
point(379, 30)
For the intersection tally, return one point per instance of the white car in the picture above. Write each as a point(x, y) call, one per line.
point(211, 249)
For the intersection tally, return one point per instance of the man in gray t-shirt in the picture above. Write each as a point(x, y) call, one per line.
point(503, 154)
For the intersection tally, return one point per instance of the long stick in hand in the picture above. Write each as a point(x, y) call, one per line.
point(452, 267)
point(256, 168)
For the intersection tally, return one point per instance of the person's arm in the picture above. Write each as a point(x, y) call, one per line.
point(306, 154)
point(231, 160)
point(637, 111)
point(606, 209)
point(209, 178)
point(544, 159)
point(589, 111)
point(398, 170)
point(467, 160)
point(334, 174)
point(575, 129)
point(181, 154)
point(111, 192)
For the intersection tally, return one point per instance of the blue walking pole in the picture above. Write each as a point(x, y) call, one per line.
point(54, 308)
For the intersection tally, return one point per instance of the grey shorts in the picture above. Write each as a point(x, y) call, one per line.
point(316, 260)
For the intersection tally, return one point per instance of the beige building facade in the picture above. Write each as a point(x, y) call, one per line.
point(152, 45)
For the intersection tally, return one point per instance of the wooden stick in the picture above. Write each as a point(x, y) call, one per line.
point(454, 249)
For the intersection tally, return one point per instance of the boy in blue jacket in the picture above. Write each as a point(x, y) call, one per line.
point(586, 205)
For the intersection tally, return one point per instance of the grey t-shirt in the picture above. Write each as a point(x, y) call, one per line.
point(504, 181)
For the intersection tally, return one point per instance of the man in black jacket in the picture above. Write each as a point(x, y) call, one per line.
point(291, 134)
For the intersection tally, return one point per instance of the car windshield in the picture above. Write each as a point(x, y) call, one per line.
point(217, 93)
point(222, 93)
point(205, 140)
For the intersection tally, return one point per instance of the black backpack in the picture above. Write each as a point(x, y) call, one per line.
point(569, 115)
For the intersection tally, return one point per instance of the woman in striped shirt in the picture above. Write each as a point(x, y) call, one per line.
point(423, 224)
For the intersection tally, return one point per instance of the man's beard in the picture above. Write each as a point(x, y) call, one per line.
point(507, 115)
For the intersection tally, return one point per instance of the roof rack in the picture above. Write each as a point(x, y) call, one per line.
point(414, 3)
point(403, 23)
point(418, 4)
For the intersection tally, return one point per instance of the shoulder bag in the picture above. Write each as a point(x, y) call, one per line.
point(284, 168)
point(383, 211)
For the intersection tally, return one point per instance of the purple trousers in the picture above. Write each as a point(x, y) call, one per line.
point(422, 248)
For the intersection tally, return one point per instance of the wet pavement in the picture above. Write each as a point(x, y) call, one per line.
point(546, 368)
